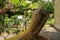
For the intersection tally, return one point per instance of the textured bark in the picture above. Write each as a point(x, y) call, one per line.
point(57, 15)
point(36, 25)
point(3, 10)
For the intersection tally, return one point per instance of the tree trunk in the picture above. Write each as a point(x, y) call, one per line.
point(37, 24)
point(57, 14)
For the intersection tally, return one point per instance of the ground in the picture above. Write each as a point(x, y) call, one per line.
point(48, 32)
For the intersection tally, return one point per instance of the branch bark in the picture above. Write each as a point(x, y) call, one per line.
point(36, 26)
point(3, 10)
point(7, 7)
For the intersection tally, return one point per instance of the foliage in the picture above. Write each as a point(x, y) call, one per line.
point(22, 7)
point(2, 3)
point(49, 6)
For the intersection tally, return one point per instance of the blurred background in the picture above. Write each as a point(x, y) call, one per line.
point(20, 17)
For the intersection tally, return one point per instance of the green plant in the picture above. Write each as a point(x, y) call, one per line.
point(22, 7)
